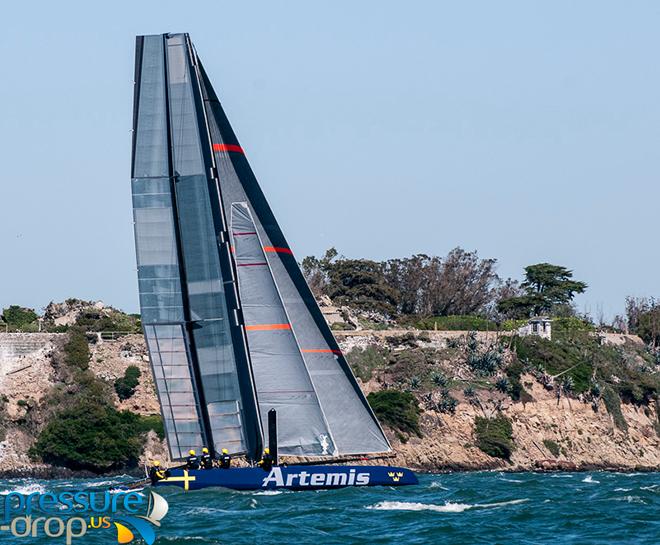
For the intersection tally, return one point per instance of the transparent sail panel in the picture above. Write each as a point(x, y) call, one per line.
point(281, 377)
point(159, 278)
point(169, 360)
point(208, 310)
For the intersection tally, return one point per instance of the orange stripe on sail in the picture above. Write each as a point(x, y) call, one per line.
point(278, 249)
point(267, 327)
point(227, 147)
point(321, 351)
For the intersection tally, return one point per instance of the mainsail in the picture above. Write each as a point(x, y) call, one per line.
point(231, 325)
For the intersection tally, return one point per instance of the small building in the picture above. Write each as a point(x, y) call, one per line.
point(539, 325)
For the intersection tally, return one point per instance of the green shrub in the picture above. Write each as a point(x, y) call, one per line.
point(512, 325)
point(396, 409)
point(152, 422)
point(513, 374)
point(613, 405)
point(457, 323)
point(108, 320)
point(494, 436)
point(552, 447)
point(573, 358)
point(363, 361)
point(571, 324)
point(91, 436)
point(20, 318)
point(126, 385)
point(76, 350)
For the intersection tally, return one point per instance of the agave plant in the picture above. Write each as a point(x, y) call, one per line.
point(447, 403)
point(469, 391)
point(472, 342)
point(567, 385)
point(502, 384)
point(439, 379)
point(414, 383)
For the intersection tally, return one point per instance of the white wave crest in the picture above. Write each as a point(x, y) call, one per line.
point(26, 489)
point(631, 499)
point(590, 479)
point(437, 484)
point(650, 487)
point(448, 507)
point(622, 489)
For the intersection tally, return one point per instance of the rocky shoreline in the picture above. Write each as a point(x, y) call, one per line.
point(584, 433)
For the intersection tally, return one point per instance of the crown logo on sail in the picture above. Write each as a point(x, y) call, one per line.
point(395, 476)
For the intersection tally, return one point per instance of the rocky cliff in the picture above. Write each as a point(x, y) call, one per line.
point(552, 428)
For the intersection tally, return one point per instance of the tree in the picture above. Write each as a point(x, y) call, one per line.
point(125, 386)
point(315, 271)
point(546, 288)
point(91, 436)
point(648, 326)
point(18, 317)
point(76, 349)
point(459, 284)
point(361, 284)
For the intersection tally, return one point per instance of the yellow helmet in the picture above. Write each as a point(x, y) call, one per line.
point(205, 450)
point(191, 452)
point(266, 450)
point(225, 451)
point(156, 463)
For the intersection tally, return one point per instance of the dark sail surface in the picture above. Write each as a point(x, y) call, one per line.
point(214, 358)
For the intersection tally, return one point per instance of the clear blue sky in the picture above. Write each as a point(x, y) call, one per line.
point(528, 131)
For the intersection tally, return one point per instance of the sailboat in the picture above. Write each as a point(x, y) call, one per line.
point(233, 331)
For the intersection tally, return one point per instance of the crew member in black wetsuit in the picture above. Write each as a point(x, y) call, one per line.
point(156, 472)
point(266, 462)
point(193, 461)
point(207, 461)
point(225, 459)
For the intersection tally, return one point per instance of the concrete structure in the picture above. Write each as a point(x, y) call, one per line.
point(539, 325)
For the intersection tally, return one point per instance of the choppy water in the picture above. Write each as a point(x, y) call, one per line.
point(459, 508)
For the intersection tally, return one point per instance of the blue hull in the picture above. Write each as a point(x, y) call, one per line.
point(293, 477)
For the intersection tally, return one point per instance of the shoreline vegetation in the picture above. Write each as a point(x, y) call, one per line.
point(440, 346)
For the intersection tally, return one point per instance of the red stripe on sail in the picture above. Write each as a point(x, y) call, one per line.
point(278, 250)
point(227, 147)
point(250, 264)
point(245, 233)
point(267, 327)
point(321, 351)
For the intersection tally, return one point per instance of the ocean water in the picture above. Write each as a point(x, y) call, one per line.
point(459, 508)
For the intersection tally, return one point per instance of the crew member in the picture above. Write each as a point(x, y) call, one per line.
point(193, 461)
point(266, 462)
point(207, 461)
point(156, 472)
point(225, 459)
